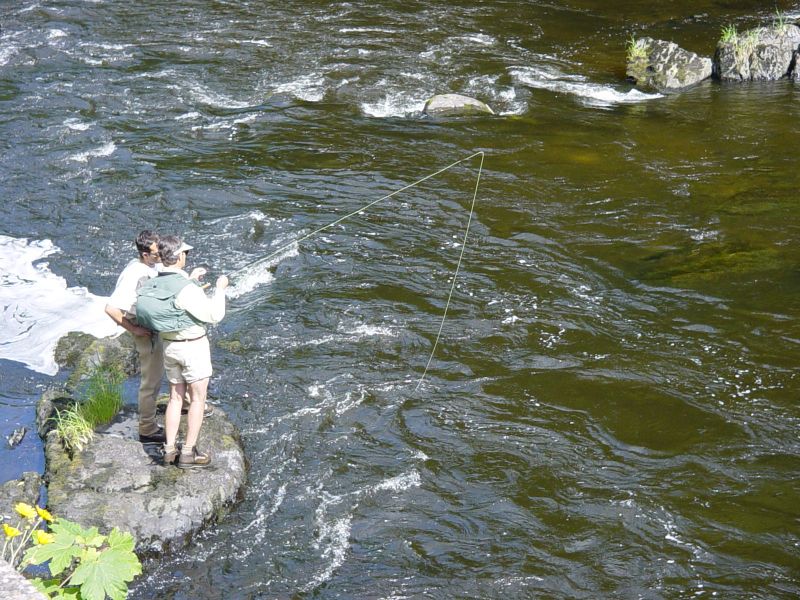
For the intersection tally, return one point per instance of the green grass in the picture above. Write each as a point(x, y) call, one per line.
point(729, 34)
point(102, 400)
point(635, 51)
point(779, 22)
point(73, 429)
point(103, 396)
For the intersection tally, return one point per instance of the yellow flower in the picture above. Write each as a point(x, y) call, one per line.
point(26, 510)
point(45, 514)
point(10, 531)
point(42, 537)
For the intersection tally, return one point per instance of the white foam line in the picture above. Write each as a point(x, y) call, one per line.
point(106, 149)
point(550, 78)
point(259, 273)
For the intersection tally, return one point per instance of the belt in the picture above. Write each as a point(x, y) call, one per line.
point(189, 340)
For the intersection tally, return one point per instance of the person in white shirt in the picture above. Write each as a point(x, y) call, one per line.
point(121, 307)
point(187, 353)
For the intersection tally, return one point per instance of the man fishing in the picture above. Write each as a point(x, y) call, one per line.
point(121, 307)
point(176, 306)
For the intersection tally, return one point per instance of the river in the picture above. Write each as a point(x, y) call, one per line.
point(612, 408)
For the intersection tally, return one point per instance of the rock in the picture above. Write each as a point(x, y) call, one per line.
point(70, 348)
point(760, 54)
point(52, 399)
point(14, 586)
point(25, 490)
point(665, 66)
point(117, 482)
point(86, 353)
point(448, 105)
point(15, 438)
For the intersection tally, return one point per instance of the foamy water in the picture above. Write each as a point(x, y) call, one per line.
point(38, 308)
point(548, 78)
point(258, 273)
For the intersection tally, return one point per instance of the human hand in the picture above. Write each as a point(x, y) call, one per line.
point(222, 282)
point(197, 273)
point(140, 331)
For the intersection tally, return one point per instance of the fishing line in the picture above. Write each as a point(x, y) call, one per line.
point(319, 230)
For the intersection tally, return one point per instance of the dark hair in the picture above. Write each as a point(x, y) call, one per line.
point(168, 249)
point(144, 240)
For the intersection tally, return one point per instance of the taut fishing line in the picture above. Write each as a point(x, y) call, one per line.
point(319, 230)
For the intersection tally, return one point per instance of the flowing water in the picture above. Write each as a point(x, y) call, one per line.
point(612, 410)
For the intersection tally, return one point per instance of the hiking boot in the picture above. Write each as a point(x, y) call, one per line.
point(195, 460)
point(171, 456)
point(159, 437)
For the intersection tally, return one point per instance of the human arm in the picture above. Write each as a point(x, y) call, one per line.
point(207, 309)
point(119, 318)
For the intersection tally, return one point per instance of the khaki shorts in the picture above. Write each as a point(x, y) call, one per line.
point(187, 362)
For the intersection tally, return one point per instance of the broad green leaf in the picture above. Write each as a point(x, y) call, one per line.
point(108, 574)
point(59, 552)
point(121, 541)
point(68, 527)
point(46, 586)
point(51, 588)
point(69, 593)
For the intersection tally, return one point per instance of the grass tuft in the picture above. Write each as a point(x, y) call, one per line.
point(779, 22)
point(729, 34)
point(73, 429)
point(103, 393)
point(102, 400)
point(635, 51)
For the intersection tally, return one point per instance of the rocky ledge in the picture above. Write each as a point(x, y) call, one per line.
point(117, 481)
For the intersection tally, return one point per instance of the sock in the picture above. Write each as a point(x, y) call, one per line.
point(168, 448)
point(187, 450)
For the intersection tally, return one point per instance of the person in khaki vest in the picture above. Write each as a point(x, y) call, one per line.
point(187, 353)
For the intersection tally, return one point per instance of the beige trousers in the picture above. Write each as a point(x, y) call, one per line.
point(151, 363)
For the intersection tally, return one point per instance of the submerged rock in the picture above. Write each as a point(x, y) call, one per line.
point(118, 482)
point(448, 105)
point(665, 66)
point(760, 54)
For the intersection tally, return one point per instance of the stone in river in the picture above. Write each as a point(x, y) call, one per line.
point(665, 66)
point(760, 54)
point(448, 105)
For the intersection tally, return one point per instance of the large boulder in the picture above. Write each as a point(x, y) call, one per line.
point(118, 482)
point(449, 105)
point(760, 54)
point(664, 66)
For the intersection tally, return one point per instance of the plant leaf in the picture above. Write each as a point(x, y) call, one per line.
point(59, 552)
point(107, 573)
point(121, 541)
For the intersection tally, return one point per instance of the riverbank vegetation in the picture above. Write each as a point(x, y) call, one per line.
point(83, 563)
point(102, 400)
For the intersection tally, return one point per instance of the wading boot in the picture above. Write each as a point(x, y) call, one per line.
point(195, 460)
point(171, 456)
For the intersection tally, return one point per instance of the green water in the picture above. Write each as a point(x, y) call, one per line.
point(612, 409)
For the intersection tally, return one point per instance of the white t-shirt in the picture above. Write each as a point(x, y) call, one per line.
point(133, 276)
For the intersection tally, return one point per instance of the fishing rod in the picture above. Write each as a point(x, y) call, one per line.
point(319, 230)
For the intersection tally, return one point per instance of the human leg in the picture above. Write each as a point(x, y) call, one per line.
point(151, 364)
point(172, 418)
point(194, 421)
